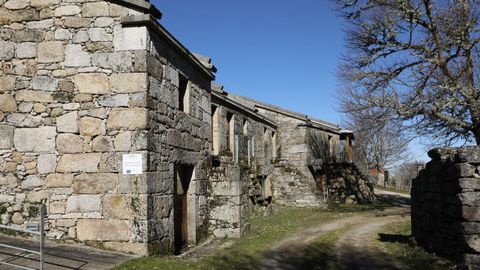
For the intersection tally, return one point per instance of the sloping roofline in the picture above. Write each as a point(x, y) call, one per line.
point(154, 25)
point(224, 97)
point(142, 5)
point(150, 19)
point(309, 121)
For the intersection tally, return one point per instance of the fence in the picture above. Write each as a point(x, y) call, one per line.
point(40, 252)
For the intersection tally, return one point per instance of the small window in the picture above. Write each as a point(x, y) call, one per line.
point(231, 130)
point(215, 133)
point(274, 144)
point(266, 144)
point(330, 146)
point(184, 95)
point(245, 127)
point(266, 138)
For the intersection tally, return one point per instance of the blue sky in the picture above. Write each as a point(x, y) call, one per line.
point(278, 51)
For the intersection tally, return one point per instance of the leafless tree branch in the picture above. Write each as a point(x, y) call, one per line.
point(417, 60)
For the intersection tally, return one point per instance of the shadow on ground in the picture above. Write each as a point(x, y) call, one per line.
point(395, 238)
point(325, 256)
point(382, 202)
point(315, 256)
point(394, 200)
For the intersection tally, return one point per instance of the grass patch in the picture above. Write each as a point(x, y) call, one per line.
point(11, 232)
point(330, 238)
point(399, 242)
point(319, 254)
point(379, 204)
point(248, 251)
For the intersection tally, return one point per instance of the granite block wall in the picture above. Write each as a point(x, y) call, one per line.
point(446, 205)
point(179, 135)
point(234, 187)
point(80, 88)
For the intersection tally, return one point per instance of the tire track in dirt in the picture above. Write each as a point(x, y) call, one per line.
point(356, 248)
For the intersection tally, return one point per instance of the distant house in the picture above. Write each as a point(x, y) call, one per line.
point(379, 177)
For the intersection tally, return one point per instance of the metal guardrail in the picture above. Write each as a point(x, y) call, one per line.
point(40, 252)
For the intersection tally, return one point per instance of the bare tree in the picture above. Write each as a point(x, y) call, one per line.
point(418, 60)
point(405, 173)
point(379, 141)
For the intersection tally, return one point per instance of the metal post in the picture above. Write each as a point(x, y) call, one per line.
point(42, 235)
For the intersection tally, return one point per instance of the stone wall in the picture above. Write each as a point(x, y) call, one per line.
point(294, 183)
point(85, 82)
point(236, 182)
point(446, 205)
point(226, 201)
point(177, 137)
point(295, 180)
point(305, 147)
point(81, 84)
point(346, 183)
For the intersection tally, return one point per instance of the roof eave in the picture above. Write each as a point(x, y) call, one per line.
point(152, 23)
point(247, 110)
point(141, 5)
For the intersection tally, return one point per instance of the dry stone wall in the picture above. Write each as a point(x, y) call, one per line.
point(305, 149)
point(176, 137)
point(226, 201)
point(294, 183)
point(446, 205)
point(234, 187)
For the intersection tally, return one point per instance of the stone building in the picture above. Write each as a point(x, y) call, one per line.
point(83, 84)
point(112, 123)
point(379, 177)
point(304, 148)
point(242, 158)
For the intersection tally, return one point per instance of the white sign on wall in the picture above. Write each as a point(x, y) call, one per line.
point(132, 164)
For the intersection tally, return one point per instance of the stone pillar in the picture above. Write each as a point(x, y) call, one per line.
point(225, 200)
point(446, 205)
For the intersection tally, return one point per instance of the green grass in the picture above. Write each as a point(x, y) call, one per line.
point(319, 254)
point(400, 243)
point(380, 204)
point(247, 251)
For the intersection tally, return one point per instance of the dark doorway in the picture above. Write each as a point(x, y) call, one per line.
point(319, 178)
point(183, 94)
point(183, 177)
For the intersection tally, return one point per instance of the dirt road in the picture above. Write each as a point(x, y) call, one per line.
point(355, 248)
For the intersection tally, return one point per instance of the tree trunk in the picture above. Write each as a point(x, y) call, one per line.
point(476, 133)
